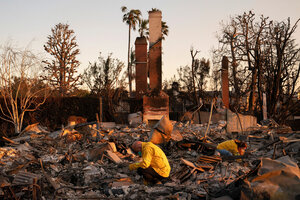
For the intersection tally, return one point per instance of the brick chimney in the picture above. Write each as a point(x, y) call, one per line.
point(141, 69)
point(225, 82)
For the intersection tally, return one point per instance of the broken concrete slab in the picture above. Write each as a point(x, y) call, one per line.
point(135, 119)
point(108, 125)
point(238, 123)
point(113, 157)
point(122, 182)
point(277, 178)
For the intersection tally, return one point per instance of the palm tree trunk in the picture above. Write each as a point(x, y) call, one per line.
point(129, 66)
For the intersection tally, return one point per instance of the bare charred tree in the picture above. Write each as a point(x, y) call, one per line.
point(230, 46)
point(215, 77)
point(263, 58)
point(202, 69)
point(195, 63)
point(61, 70)
point(253, 36)
point(169, 83)
point(20, 87)
point(283, 60)
point(105, 79)
point(193, 78)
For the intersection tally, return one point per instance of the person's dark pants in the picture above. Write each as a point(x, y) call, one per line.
point(150, 175)
point(224, 152)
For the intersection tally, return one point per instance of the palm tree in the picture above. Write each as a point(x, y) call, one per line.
point(155, 9)
point(131, 18)
point(143, 28)
point(164, 29)
point(132, 63)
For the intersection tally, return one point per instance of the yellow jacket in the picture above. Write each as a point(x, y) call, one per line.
point(153, 157)
point(230, 146)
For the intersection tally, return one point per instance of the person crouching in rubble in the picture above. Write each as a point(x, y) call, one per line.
point(154, 166)
point(234, 147)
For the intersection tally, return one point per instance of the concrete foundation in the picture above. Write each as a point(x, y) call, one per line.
point(232, 120)
point(234, 125)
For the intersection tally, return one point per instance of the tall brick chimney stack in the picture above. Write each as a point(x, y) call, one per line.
point(225, 82)
point(141, 68)
point(155, 37)
point(156, 102)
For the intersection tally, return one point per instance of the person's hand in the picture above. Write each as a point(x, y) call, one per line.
point(123, 164)
point(241, 151)
point(247, 154)
point(132, 166)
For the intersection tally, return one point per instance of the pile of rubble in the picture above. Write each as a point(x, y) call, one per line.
point(90, 161)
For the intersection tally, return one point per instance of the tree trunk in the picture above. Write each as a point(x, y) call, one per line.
point(275, 92)
point(128, 64)
point(252, 90)
point(234, 74)
point(259, 88)
point(194, 85)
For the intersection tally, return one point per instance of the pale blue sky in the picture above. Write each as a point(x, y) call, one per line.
point(98, 24)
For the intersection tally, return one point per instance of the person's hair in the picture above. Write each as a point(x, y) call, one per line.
point(134, 144)
point(241, 144)
point(242, 138)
